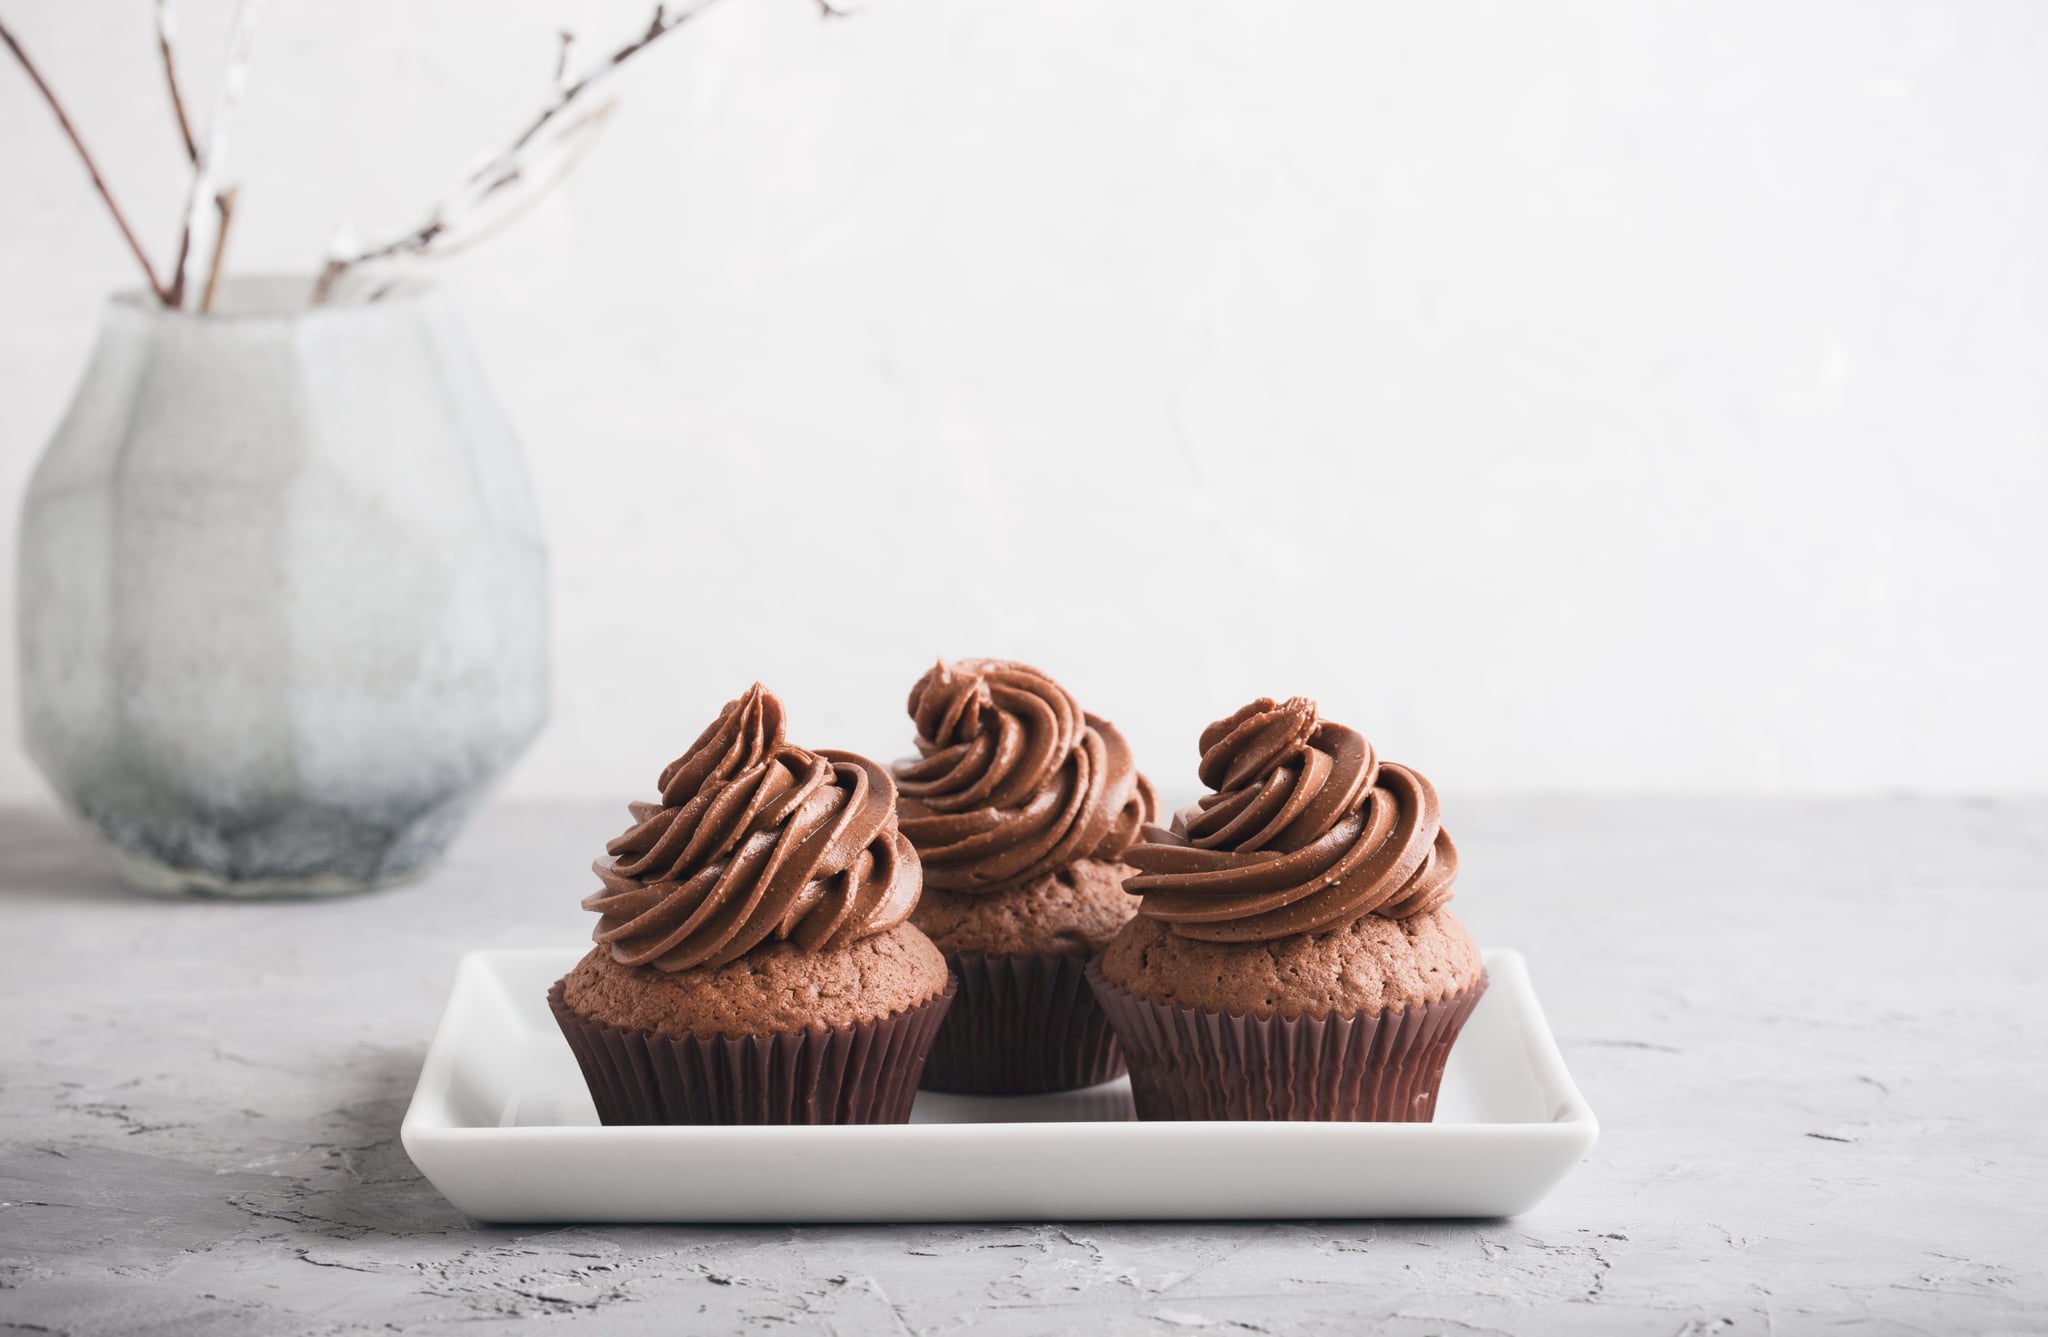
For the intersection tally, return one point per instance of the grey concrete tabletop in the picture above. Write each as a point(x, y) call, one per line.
point(1813, 1033)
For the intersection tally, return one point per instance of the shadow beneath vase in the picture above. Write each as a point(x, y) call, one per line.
point(44, 857)
point(47, 857)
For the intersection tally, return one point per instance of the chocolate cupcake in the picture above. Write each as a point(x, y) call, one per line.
point(1292, 957)
point(1021, 806)
point(754, 960)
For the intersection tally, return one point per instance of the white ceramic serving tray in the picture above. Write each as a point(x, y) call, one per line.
point(502, 1125)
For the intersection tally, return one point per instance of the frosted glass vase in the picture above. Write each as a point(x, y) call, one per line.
point(282, 602)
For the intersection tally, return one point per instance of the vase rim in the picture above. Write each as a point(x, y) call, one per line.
point(275, 297)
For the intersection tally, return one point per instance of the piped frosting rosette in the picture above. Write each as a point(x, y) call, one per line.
point(1013, 780)
point(754, 839)
point(1306, 829)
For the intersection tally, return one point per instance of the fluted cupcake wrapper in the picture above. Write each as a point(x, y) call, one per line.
point(1191, 1063)
point(863, 1073)
point(1022, 1024)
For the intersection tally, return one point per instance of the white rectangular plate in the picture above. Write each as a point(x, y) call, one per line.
point(502, 1125)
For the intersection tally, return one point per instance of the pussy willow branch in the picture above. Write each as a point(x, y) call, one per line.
point(567, 40)
point(85, 156)
point(663, 23)
point(162, 9)
point(164, 38)
point(205, 192)
point(224, 206)
point(579, 135)
point(504, 167)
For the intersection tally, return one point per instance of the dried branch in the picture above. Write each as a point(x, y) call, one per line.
point(92, 168)
point(205, 192)
point(577, 138)
point(579, 135)
point(163, 45)
point(164, 37)
point(568, 40)
point(507, 166)
point(224, 206)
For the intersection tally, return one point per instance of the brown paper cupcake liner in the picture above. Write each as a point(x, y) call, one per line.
point(1020, 1025)
point(864, 1073)
point(1191, 1063)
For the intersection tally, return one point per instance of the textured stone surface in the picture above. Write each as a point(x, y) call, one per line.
point(1808, 1030)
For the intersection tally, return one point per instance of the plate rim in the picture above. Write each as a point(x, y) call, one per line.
point(1506, 967)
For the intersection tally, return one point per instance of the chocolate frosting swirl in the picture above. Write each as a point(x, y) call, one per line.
point(1307, 829)
point(1013, 780)
point(754, 838)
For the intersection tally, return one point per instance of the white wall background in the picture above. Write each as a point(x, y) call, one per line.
point(1573, 396)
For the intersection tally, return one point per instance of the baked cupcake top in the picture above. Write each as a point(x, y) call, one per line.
point(1305, 829)
point(754, 840)
point(1013, 780)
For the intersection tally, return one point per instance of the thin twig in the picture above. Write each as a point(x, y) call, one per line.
point(185, 132)
point(568, 40)
point(224, 205)
point(92, 168)
point(164, 28)
point(503, 168)
point(234, 79)
point(412, 243)
point(164, 37)
point(659, 27)
point(581, 135)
